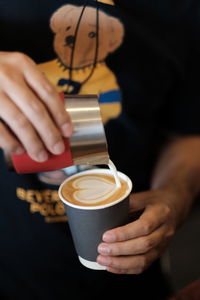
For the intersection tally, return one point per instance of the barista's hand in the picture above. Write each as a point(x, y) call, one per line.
point(132, 248)
point(32, 117)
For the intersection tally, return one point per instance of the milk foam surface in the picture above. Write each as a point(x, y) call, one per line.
point(92, 189)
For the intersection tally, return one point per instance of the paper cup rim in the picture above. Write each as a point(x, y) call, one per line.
point(95, 207)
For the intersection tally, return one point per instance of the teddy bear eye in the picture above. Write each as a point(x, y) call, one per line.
point(92, 34)
point(68, 28)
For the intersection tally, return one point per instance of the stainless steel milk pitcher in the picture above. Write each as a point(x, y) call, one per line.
point(87, 145)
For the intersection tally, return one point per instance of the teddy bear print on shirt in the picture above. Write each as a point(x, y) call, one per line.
point(89, 36)
point(87, 76)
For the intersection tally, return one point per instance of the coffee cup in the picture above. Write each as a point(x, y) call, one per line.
point(94, 204)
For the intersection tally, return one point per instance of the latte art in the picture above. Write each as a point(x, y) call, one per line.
point(93, 189)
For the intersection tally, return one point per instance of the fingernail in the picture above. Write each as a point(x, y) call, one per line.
point(103, 260)
point(66, 129)
point(109, 237)
point(59, 148)
point(104, 249)
point(42, 156)
point(19, 150)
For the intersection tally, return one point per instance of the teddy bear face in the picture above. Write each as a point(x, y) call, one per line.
point(64, 25)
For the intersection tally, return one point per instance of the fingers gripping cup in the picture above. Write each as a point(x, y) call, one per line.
point(87, 145)
point(93, 205)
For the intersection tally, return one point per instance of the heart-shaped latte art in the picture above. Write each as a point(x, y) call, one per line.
point(93, 189)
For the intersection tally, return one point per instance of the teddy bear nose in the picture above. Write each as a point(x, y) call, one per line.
point(70, 40)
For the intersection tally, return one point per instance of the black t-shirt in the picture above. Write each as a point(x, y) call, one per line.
point(146, 76)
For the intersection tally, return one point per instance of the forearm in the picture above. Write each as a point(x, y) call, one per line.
point(178, 170)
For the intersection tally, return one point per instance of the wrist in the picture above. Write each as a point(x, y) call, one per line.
point(180, 199)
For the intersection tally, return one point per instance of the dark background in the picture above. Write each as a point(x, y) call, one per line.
point(182, 260)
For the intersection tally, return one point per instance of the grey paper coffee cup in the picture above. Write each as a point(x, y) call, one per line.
point(88, 223)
